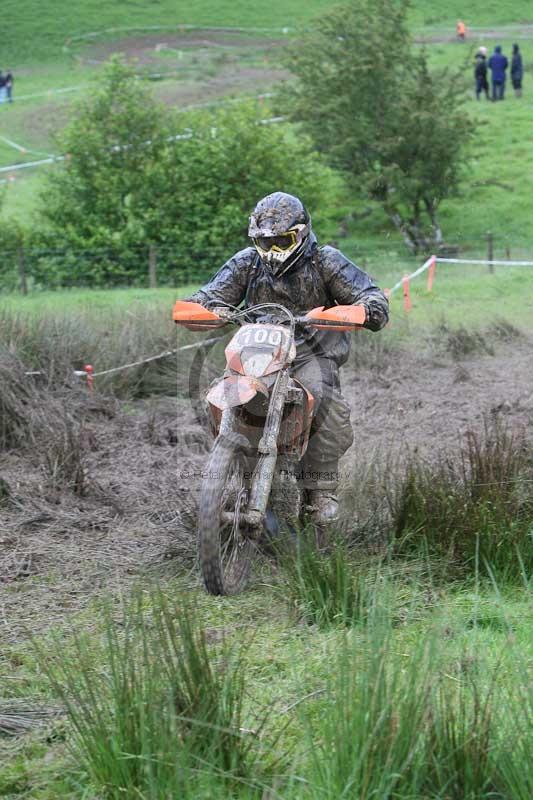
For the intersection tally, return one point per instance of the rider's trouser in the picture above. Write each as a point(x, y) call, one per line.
point(331, 431)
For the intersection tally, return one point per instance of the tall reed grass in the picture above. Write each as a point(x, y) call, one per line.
point(56, 344)
point(158, 712)
point(473, 511)
point(400, 726)
point(325, 587)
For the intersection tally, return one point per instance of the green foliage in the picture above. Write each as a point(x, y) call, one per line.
point(374, 108)
point(398, 725)
point(137, 176)
point(11, 239)
point(461, 739)
point(438, 706)
point(370, 726)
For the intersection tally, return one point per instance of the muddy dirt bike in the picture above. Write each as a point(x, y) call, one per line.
point(261, 418)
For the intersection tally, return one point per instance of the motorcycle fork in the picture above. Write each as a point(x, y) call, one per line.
point(268, 452)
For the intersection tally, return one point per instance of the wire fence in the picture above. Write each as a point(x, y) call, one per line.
point(28, 269)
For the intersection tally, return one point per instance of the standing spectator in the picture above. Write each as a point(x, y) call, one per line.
point(461, 30)
point(3, 90)
point(517, 70)
point(498, 64)
point(480, 73)
point(9, 86)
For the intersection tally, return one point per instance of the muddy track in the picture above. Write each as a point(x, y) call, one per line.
point(60, 550)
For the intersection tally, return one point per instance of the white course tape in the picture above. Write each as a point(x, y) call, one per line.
point(159, 356)
point(28, 164)
point(23, 149)
point(438, 260)
point(484, 261)
point(49, 92)
point(117, 148)
point(414, 274)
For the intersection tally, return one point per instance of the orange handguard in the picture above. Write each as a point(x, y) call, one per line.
point(337, 318)
point(195, 317)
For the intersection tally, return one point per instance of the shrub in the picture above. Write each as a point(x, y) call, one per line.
point(138, 175)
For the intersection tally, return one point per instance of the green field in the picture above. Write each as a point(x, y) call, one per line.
point(460, 292)
point(292, 691)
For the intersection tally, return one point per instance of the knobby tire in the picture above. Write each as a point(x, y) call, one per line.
point(214, 535)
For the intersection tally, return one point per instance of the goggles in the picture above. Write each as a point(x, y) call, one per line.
point(282, 243)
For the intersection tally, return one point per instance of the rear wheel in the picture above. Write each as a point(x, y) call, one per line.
point(225, 551)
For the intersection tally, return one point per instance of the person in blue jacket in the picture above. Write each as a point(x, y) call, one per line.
point(498, 64)
point(517, 70)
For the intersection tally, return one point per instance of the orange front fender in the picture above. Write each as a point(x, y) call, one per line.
point(235, 390)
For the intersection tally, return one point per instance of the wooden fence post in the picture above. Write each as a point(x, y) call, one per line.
point(22, 271)
point(152, 267)
point(490, 251)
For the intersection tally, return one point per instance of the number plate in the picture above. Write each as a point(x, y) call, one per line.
point(261, 336)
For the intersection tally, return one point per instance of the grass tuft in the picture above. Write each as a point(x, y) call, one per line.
point(460, 342)
point(17, 403)
point(476, 511)
point(461, 739)
point(324, 586)
point(365, 739)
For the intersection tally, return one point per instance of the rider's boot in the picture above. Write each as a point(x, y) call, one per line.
point(324, 506)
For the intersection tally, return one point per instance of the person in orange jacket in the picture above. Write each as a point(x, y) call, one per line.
point(461, 30)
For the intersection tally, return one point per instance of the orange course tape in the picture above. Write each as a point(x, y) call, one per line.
point(431, 272)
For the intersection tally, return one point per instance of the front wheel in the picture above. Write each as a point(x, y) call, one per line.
point(225, 551)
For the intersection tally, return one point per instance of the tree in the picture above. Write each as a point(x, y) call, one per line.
point(376, 111)
point(138, 174)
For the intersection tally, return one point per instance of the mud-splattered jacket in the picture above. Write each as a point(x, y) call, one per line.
point(323, 276)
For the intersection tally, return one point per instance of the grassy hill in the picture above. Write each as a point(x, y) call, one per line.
point(200, 67)
point(36, 32)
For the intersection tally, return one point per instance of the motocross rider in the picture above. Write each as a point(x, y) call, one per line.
point(286, 266)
